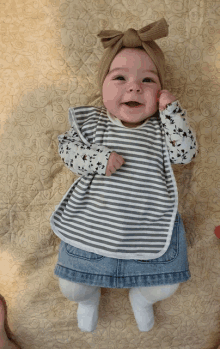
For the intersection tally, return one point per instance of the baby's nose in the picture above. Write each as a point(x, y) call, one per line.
point(134, 87)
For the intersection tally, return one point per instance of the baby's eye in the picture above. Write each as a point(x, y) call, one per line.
point(120, 77)
point(148, 80)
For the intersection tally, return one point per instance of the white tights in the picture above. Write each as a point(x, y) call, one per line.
point(141, 299)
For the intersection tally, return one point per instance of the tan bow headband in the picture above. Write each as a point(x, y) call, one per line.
point(114, 40)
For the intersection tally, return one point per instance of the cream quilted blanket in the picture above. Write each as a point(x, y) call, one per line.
point(48, 62)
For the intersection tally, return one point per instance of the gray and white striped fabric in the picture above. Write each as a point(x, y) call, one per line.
point(131, 214)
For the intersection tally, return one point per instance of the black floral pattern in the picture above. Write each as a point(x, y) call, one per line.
point(80, 158)
point(181, 142)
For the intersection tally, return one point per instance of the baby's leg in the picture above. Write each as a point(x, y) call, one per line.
point(88, 299)
point(142, 300)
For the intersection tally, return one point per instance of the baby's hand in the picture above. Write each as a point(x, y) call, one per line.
point(115, 161)
point(164, 98)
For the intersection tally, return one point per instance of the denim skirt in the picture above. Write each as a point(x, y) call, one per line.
point(89, 268)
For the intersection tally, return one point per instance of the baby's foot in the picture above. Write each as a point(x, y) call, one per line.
point(5, 342)
point(87, 313)
point(143, 311)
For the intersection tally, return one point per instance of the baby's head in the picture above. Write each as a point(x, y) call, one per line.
point(131, 87)
point(140, 71)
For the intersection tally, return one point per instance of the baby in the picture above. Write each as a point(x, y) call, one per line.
point(119, 223)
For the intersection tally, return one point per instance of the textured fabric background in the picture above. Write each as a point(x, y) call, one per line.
point(48, 61)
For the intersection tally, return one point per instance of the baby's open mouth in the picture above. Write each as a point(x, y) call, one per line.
point(133, 104)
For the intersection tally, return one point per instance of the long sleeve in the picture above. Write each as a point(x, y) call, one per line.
point(81, 158)
point(180, 138)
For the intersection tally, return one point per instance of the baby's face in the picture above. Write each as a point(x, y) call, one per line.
point(132, 77)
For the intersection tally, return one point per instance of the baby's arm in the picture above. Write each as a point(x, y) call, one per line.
point(81, 158)
point(180, 138)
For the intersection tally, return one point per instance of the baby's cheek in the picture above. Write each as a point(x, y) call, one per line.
point(109, 94)
point(154, 97)
point(109, 100)
point(155, 100)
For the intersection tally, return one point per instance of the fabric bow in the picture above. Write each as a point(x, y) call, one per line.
point(134, 38)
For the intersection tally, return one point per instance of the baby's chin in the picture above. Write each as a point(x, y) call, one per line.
point(132, 125)
point(128, 120)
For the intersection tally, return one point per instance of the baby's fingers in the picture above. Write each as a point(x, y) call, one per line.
point(119, 161)
point(110, 169)
point(117, 165)
point(114, 163)
point(108, 172)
